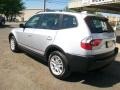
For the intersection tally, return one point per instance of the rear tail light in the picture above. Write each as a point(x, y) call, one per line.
point(96, 42)
point(90, 43)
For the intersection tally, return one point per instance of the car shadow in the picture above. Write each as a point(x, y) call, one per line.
point(118, 39)
point(4, 26)
point(117, 36)
point(8, 26)
point(36, 58)
point(104, 78)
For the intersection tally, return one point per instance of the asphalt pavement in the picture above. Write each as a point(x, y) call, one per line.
point(20, 71)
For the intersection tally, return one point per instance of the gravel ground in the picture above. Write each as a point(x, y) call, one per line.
point(20, 71)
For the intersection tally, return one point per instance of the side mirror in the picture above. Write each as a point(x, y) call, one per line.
point(22, 25)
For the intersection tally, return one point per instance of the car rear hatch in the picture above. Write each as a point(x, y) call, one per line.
point(102, 34)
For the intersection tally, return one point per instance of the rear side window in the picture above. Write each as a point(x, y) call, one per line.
point(69, 21)
point(98, 24)
point(50, 21)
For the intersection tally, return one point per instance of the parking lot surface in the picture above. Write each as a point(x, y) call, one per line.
point(20, 71)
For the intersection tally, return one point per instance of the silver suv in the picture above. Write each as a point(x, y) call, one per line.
point(69, 42)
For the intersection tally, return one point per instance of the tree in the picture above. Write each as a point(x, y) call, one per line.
point(11, 8)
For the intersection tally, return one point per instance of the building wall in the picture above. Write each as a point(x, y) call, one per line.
point(27, 13)
point(82, 3)
point(113, 20)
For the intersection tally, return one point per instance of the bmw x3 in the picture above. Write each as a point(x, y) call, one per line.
point(68, 41)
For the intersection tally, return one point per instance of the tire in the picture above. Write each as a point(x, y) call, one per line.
point(58, 65)
point(13, 44)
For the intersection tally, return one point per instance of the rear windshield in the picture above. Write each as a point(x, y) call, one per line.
point(98, 24)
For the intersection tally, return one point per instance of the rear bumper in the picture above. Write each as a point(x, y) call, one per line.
point(89, 63)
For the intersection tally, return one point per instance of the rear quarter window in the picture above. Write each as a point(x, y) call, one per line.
point(98, 24)
point(69, 21)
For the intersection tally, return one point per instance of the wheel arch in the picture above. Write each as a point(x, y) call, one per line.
point(52, 48)
point(12, 33)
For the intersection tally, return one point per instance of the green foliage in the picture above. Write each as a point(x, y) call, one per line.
point(11, 8)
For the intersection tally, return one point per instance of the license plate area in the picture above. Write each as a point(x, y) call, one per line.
point(109, 44)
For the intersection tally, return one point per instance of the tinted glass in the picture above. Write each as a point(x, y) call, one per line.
point(98, 24)
point(32, 22)
point(50, 21)
point(69, 21)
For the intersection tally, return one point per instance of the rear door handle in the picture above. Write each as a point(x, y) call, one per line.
point(49, 38)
